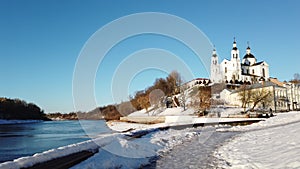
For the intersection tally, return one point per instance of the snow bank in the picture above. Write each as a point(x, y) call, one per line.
point(278, 120)
point(176, 111)
point(139, 113)
point(224, 120)
point(29, 161)
point(226, 111)
point(274, 143)
point(180, 119)
point(124, 126)
point(136, 153)
point(18, 121)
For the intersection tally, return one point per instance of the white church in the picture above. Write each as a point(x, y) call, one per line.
point(237, 71)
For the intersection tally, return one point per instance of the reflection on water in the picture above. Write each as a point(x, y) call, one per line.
point(18, 140)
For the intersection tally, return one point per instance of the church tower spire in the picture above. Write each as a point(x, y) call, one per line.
point(248, 50)
point(214, 59)
point(235, 51)
point(214, 52)
point(234, 44)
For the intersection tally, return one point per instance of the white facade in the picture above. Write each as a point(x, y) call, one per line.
point(278, 103)
point(236, 70)
point(285, 98)
point(293, 93)
point(215, 74)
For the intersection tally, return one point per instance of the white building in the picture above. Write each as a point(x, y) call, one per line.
point(236, 70)
point(293, 93)
point(279, 94)
point(198, 82)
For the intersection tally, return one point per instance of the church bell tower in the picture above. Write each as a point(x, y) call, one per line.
point(215, 74)
point(236, 62)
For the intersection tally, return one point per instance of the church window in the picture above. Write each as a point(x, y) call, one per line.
point(264, 73)
point(253, 71)
point(225, 69)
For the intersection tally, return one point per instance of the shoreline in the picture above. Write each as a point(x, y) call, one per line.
point(84, 154)
point(140, 132)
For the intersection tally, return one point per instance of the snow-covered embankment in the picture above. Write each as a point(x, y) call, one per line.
point(274, 143)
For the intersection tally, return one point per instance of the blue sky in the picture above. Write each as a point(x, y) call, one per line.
point(41, 40)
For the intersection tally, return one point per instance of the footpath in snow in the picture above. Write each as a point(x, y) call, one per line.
point(274, 143)
point(196, 153)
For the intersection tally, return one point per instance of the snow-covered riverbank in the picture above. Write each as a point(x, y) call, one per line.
point(268, 144)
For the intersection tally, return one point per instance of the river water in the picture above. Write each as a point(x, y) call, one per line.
point(19, 140)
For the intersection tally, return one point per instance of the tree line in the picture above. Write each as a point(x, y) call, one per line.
point(16, 109)
point(168, 86)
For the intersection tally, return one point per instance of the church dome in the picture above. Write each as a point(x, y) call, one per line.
point(249, 56)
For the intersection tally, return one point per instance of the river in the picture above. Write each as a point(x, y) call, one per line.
point(19, 140)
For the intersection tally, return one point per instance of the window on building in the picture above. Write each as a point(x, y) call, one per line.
point(225, 77)
point(237, 55)
point(263, 72)
point(225, 69)
point(233, 55)
point(253, 71)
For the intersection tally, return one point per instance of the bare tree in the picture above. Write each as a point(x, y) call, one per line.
point(245, 96)
point(144, 102)
point(195, 99)
point(174, 81)
point(205, 97)
point(183, 96)
point(260, 96)
point(254, 96)
point(296, 78)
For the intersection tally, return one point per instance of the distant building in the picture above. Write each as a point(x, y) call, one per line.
point(286, 96)
point(198, 82)
point(237, 71)
point(293, 94)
